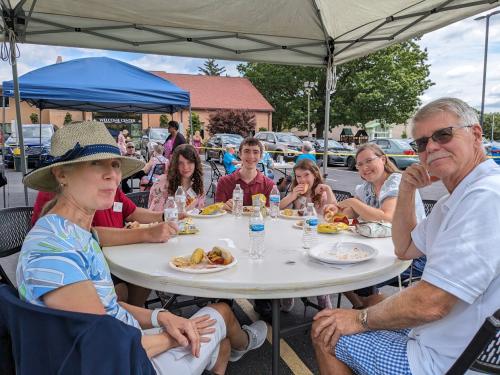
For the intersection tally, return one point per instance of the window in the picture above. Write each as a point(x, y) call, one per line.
point(262, 136)
point(384, 145)
point(6, 98)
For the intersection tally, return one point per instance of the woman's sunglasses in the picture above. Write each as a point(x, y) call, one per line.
point(441, 136)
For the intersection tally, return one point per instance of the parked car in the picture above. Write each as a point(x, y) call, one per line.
point(36, 144)
point(150, 136)
point(216, 145)
point(495, 151)
point(335, 147)
point(286, 144)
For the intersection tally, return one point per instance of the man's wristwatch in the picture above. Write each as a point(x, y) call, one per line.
point(363, 319)
point(154, 317)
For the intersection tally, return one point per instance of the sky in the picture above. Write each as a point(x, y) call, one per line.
point(456, 56)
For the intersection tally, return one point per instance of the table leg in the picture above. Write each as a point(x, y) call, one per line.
point(276, 335)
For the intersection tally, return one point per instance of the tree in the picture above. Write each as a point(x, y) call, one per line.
point(197, 123)
point(164, 121)
point(384, 85)
point(68, 118)
point(490, 119)
point(231, 121)
point(34, 118)
point(211, 68)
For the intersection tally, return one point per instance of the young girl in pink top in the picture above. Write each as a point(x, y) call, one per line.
point(185, 170)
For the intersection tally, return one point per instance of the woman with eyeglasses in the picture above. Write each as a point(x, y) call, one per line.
point(375, 200)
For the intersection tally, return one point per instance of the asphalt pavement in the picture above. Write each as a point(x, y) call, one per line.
point(297, 356)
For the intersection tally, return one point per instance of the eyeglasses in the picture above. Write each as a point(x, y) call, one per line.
point(440, 136)
point(367, 162)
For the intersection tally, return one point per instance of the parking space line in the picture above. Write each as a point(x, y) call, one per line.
point(288, 355)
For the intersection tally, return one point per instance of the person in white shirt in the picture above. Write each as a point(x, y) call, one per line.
point(424, 329)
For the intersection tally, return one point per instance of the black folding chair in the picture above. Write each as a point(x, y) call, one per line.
point(139, 198)
point(15, 223)
point(483, 352)
point(215, 174)
point(341, 195)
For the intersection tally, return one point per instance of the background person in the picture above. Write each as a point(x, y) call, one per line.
point(132, 153)
point(197, 141)
point(307, 149)
point(150, 176)
point(267, 164)
point(173, 140)
point(185, 170)
point(230, 161)
point(62, 242)
point(423, 329)
point(122, 141)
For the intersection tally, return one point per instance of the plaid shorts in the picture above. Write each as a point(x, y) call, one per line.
point(375, 353)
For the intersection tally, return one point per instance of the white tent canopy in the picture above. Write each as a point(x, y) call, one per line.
point(278, 31)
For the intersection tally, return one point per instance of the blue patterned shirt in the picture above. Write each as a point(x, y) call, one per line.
point(57, 252)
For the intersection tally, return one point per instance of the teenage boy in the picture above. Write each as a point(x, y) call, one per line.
point(250, 179)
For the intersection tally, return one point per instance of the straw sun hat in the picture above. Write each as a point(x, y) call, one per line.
point(77, 142)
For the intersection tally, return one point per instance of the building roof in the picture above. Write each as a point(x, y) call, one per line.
point(346, 131)
point(217, 92)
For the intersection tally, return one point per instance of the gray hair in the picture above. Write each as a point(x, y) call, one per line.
point(158, 149)
point(307, 146)
point(465, 114)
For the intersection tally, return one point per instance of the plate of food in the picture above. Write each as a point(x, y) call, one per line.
point(332, 228)
point(186, 226)
point(289, 213)
point(201, 261)
point(248, 210)
point(342, 252)
point(213, 210)
point(339, 217)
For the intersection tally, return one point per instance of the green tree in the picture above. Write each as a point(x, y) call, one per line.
point(211, 68)
point(488, 120)
point(34, 118)
point(231, 121)
point(164, 120)
point(384, 85)
point(68, 118)
point(197, 123)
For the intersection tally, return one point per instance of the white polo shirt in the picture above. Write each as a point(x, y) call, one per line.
point(461, 238)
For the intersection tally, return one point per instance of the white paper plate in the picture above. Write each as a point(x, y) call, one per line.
point(196, 213)
point(342, 252)
point(215, 268)
point(297, 225)
point(293, 217)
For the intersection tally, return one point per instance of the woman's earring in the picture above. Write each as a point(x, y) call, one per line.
point(62, 184)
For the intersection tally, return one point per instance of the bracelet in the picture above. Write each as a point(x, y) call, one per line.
point(154, 317)
point(363, 319)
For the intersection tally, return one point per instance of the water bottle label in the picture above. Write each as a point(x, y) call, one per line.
point(256, 227)
point(312, 222)
point(181, 198)
point(274, 198)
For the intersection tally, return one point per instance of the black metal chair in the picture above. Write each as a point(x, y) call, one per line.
point(341, 195)
point(428, 205)
point(215, 174)
point(15, 223)
point(483, 352)
point(139, 198)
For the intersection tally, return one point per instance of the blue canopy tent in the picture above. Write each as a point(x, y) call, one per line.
point(97, 84)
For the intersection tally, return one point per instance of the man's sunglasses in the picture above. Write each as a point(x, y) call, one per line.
point(440, 136)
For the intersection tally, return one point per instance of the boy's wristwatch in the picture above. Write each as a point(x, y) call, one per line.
point(363, 319)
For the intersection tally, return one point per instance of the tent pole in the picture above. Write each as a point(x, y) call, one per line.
point(20, 137)
point(40, 136)
point(3, 146)
point(191, 130)
point(326, 130)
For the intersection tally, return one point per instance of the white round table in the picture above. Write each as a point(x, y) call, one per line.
point(285, 271)
point(283, 167)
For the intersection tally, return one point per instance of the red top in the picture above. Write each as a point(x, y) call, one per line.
point(113, 217)
point(260, 184)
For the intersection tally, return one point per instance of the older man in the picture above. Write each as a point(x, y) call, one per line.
point(424, 328)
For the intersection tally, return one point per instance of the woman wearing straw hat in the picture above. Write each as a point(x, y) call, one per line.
point(61, 265)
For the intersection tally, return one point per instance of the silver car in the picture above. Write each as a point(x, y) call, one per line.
point(286, 144)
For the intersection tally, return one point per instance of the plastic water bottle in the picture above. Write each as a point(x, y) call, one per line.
point(256, 231)
point(310, 233)
point(180, 200)
point(274, 202)
point(238, 201)
point(171, 213)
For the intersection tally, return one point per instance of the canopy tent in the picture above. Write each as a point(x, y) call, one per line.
point(98, 84)
point(305, 32)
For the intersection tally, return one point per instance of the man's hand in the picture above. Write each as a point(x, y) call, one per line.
point(228, 206)
point(184, 331)
point(160, 232)
point(331, 324)
point(415, 177)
